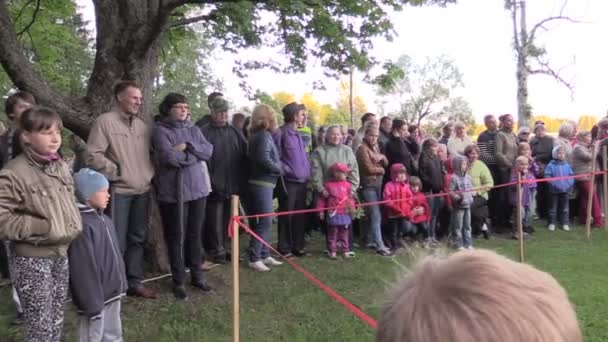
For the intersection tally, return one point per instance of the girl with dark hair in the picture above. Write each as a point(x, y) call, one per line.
point(38, 214)
point(182, 183)
point(397, 150)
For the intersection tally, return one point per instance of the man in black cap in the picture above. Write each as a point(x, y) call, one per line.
point(227, 177)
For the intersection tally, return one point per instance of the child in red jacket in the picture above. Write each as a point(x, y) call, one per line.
point(398, 192)
point(338, 197)
point(420, 215)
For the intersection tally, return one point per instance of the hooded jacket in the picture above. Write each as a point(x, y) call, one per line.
point(339, 195)
point(420, 200)
point(97, 270)
point(38, 206)
point(559, 168)
point(399, 193)
point(168, 133)
point(460, 185)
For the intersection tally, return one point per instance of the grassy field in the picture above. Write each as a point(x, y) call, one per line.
point(283, 306)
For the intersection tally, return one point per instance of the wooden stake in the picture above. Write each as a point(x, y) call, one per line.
point(605, 166)
point(235, 270)
point(591, 193)
point(520, 229)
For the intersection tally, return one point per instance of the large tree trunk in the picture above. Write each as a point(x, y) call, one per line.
point(523, 107)
point(129, 35)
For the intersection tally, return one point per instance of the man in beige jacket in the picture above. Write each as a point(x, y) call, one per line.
point(119, 148)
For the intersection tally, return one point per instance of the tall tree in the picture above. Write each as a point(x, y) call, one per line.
point(531, 58)
point(423, 91)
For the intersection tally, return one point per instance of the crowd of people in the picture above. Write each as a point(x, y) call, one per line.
point(416, 189)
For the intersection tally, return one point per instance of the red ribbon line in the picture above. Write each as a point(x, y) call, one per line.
point(332, 293)
point(443, 194)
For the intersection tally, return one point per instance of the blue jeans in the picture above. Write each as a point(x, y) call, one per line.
point(372, 194)
point(261, 203)
point(436, 203)
point(131, 224)
point(560, 202)
point(461, 224)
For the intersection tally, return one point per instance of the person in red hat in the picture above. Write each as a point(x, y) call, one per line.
point(338, 200)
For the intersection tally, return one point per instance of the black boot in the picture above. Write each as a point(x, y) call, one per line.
point(198, 280)
point(179, 291)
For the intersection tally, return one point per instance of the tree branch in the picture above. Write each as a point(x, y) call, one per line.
point(545, 69)
point(188, 21)
point(541, 24)
point(515, 31)
point(27, 27)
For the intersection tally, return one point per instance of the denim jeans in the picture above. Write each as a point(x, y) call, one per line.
point(372, 194)
point(461, 225)
point(560, 202)
point(436, 203)
point(131, 224)
point(261, 203)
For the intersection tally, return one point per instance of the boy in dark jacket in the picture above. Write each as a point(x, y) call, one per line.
point(559, 189)
point(97, 271)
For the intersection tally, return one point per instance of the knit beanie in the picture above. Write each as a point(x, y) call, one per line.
point(88, 182)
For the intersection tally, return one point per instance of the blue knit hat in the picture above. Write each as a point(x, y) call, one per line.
point(88, 182)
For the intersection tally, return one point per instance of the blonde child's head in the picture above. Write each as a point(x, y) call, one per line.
point(41, 130)
point(522, 164)
point(477, 296)
point(523, 149)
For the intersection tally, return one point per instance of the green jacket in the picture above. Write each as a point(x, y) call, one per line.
point(480, 178)
point(37, 206)
point(505, 149)
point(323, 157)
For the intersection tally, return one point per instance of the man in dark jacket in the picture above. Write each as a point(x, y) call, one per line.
point(227, 173)
point(296, 172)
point(542, 147)
point(97, 270)
point(486, 143)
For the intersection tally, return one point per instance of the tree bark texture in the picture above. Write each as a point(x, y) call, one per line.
point(129, 35)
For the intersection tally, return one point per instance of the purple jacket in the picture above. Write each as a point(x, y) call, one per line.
point(526, 189)
point(168, 133)
point(292, 149)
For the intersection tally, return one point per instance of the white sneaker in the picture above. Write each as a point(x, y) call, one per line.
point(470, 247)
point(259, 266)
point(460, 248)
point(270, 261)
point(566, 228)
point(551, 227)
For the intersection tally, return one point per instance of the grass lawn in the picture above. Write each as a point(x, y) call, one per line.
point(283, 306)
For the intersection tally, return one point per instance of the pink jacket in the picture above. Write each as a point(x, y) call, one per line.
point(339, 196)
point(402, 194)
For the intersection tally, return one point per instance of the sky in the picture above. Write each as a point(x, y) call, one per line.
point(478, 36)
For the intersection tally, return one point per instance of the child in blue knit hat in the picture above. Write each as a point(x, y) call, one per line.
point(97, 271)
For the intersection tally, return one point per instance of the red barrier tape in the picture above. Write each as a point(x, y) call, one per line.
point(336, 296)
point(443, 194)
